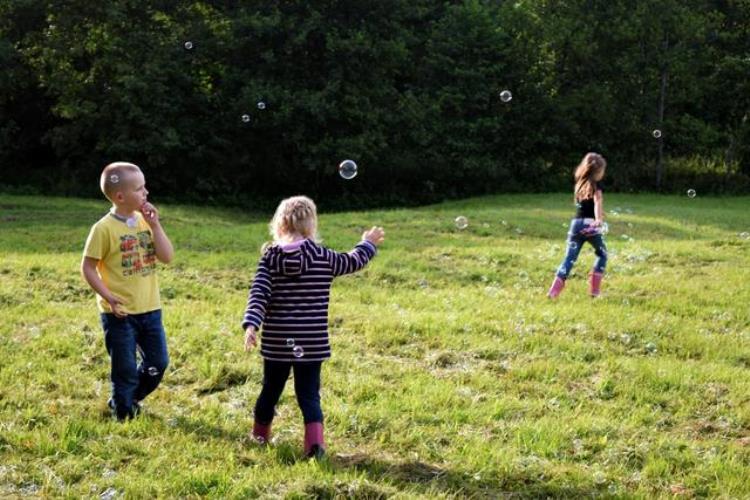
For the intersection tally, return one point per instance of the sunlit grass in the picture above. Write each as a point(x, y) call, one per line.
point(451, 375)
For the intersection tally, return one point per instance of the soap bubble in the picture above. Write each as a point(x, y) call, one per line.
point(348, 169)
point(114, 178)
point(290, 342)
point(298, 351)
point(745, 235)
point(461, 222)
point(651, 348)
point(573, 245)
point(506, 96)
point(153, 371)
point(246, 118)
point(656, 133)
point(261, 105)
point(600, 477)
point(188, 45)
point(691, 193)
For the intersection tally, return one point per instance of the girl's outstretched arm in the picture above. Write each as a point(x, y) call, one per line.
point(345, 263)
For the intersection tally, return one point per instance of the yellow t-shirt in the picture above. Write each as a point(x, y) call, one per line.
point(127, 262)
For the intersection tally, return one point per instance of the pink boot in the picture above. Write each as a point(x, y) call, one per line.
point(261, 433)
point(595, 284)
point(556, 288)
point(314, 443)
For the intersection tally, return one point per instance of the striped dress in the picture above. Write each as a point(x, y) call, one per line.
point(289, 298)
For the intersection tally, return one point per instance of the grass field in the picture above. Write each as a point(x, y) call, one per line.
point(452, 375)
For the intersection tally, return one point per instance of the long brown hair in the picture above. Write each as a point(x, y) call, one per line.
point(587, 174)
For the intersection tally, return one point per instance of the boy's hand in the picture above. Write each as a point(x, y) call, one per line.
point(376, 235)
point(250, 338)
point(150, 213)
point(115, 303)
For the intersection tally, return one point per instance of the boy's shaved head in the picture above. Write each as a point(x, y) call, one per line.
point(115, 176)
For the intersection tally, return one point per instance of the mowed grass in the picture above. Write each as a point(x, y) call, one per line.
point(452, 375)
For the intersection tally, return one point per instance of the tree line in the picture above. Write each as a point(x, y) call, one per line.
point(409, 89)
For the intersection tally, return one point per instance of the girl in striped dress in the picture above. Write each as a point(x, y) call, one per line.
point(289, 299)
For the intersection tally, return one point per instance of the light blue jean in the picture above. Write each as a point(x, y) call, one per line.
point(579, 233)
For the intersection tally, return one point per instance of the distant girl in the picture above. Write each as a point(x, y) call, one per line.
point(586, 226)
point(289, 297)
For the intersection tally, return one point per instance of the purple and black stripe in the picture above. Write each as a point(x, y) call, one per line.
point(289, 298)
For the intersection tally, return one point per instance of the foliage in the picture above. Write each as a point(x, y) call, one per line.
point(407, 89)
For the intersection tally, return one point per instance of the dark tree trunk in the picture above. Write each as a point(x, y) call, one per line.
point(660, 120)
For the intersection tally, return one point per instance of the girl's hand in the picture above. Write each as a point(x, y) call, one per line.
point(150, 213)
point(376, 235)
point(597, 223)
point(250, 338)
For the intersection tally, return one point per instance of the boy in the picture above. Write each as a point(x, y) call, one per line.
point(119, 263)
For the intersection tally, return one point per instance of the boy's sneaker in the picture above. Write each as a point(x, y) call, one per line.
point(135, 410)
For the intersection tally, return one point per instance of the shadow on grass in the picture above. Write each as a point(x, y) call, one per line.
point(425, 478)
point(182, 424)
point(199, 427)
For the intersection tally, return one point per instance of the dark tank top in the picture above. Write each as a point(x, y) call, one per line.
point(585, 208)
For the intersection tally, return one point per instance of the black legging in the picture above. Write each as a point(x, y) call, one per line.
point(306, 387)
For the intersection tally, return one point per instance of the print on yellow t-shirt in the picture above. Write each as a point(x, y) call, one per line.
point(127, 263)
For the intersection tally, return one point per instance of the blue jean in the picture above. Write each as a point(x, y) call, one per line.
point(133, 381)
point(306, 387)
point(577, 236)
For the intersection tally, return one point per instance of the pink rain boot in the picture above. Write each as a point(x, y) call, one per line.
point(595, 284)
point(556, 288)
point(314, 443)
point(261, 433)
